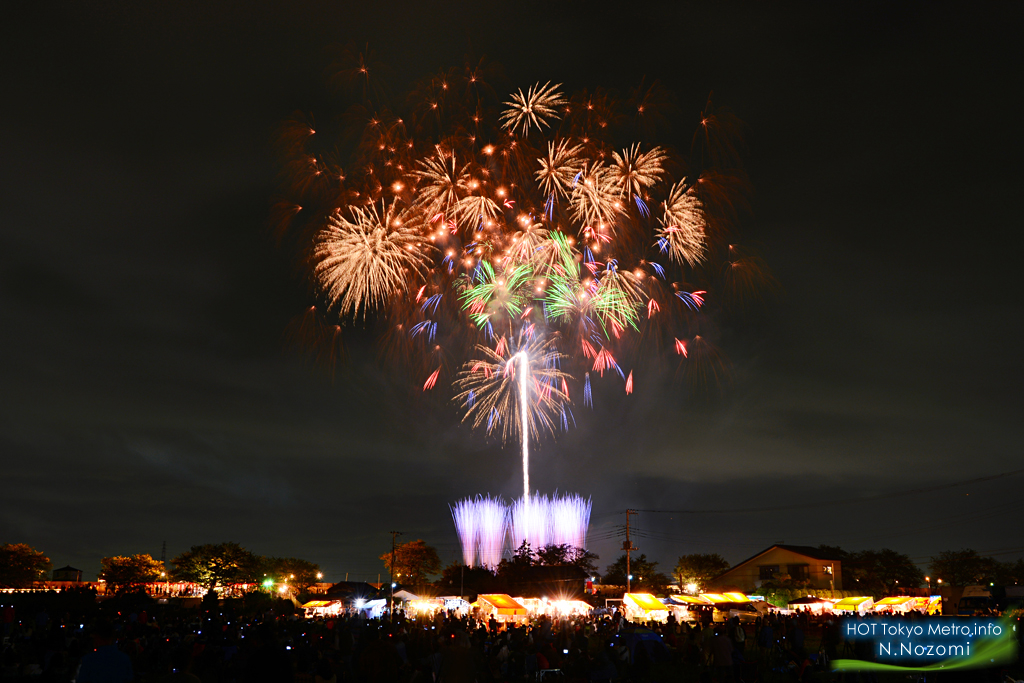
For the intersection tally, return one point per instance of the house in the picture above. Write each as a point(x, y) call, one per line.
point(67, 573)
point(801, 564)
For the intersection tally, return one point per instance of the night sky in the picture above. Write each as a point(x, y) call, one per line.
point(148, 394)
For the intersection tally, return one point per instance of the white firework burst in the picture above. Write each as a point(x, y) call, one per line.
point(570, 517)
point(633, 171)
point(360, 263)
point(559, 168)
point(494, 398)
point(527, 241)
point(442, 184)
point(532, 109)
point(596, 201)
point(474, 209)
point(530, 521)
point(484, 524)
point(682, 231)
point(481, 524)
point(466, 518)
point(492, 523)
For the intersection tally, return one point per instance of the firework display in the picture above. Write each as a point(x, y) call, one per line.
point(487, 527)
point(491, 234)
point(468, 527)
point(518, 249)
point(570, 517)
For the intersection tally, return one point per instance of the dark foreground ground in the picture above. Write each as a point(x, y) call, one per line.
point(50, 637)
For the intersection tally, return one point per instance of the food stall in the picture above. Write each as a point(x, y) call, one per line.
point(931, 604)
point(644, 607)
point(323, 608)
point(810, 603)
point(861, 605)
point(500, 606)
point(555, 608)
point(686, 607)
point(900, 604)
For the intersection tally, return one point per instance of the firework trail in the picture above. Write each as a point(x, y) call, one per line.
point(530, 521)
point(481, 523)
point(523, 361)
point(491, 515)
point(517, 388)
point(466, 516)
point(570, 517)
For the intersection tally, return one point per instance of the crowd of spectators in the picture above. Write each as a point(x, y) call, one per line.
point(273, 642)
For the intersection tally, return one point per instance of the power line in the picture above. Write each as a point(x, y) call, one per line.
point(972, 516)
point(982, 553)
point(840, 501)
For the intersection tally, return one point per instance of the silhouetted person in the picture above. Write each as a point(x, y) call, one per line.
point(269, 663)
point(379, 661)
point(180, 661)
point(457, 660)
point(106, 664)
point(721, 655)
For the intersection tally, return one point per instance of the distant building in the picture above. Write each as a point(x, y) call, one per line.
point(800, 563)
point(351, 591)
point(68, 573)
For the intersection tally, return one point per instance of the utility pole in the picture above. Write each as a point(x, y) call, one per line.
point(163, 561)
point(628, 546)
point(391, 609)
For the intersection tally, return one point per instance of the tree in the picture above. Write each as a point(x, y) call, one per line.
point(126, 574)
point(458, 579)
point(291, 571)
point(213, 565)
point(833, 551)
point(698, 569)
point(880, 572)
point(21, 565)
point(414, 561)
point(565, 554)
point(961, 567)
point(645, 574)
point(1008, 573)
point(553, 555)
point(515, 569)
point(897, 571)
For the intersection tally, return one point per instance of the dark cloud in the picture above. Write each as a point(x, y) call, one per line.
point(149, 395)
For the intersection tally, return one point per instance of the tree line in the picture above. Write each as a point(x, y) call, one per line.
point(209, 565)
point(223, 564)
point(875, 572)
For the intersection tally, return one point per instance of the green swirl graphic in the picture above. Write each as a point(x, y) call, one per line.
point(988, 652)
